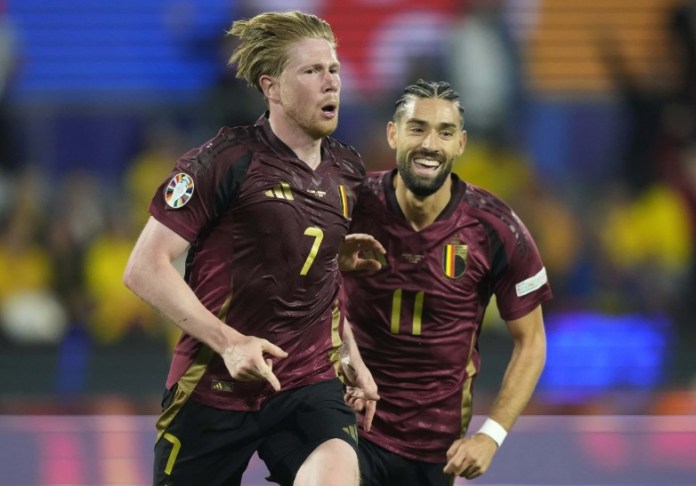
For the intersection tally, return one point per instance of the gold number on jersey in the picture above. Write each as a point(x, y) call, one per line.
point(417, 312)
point(318, 235)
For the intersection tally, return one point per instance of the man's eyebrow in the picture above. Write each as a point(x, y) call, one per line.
point(448, 125)
point(441, 126)
point(320, 65)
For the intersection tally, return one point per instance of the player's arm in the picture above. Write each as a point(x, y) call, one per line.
point(361, 390)
point(470, 457)
point(151, 275)
point(523, 370)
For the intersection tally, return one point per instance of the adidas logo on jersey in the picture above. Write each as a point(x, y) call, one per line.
point(281, 191)
point(224, 386)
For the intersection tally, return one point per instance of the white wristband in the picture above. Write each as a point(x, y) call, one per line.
point(493, 430)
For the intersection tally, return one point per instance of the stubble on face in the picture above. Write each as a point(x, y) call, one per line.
point(420, 186)
point(318, 128)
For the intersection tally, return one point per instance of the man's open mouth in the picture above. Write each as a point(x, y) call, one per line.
point(426, 163)
point(330, 108)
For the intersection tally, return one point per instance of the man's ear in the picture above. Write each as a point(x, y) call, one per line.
point(462, 142)
point(270, 88)
point(391, 134)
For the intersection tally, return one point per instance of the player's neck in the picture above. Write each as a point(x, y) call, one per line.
point(421, 212)
point(306, 147)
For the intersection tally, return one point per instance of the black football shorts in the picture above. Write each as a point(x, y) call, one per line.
point(202, 445)
point(380, 467)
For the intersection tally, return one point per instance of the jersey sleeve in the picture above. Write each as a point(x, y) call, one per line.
point(522, 283)
point(185, 201)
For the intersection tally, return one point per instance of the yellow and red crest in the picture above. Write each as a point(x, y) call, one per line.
point(454, 260)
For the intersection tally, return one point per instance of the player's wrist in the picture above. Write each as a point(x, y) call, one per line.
point(227, 339)
point(494, 430)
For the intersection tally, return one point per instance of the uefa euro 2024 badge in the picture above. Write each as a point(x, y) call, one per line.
point(179, 190)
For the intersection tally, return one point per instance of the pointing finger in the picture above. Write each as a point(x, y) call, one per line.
point(272, 349)
point(266, 372)
point(370, 408)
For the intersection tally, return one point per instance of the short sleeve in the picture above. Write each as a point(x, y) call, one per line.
point(523, 283)
point(184, 201)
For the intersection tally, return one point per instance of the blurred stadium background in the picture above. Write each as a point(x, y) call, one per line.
point(580, 113)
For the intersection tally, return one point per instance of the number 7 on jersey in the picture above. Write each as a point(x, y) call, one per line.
point(318, 235)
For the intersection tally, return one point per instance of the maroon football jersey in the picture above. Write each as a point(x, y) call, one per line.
point(418, 319)
point(264, 230)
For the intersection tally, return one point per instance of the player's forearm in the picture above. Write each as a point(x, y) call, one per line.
point(158, 283)
point(520, 379)
point(350, 347)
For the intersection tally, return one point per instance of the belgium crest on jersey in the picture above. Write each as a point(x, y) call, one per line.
point(454, 259)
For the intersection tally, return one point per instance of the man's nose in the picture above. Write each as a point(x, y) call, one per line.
point(430, 141)
point(332, 81)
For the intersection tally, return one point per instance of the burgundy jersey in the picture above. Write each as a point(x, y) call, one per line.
point(418, 319)
point(264, 230)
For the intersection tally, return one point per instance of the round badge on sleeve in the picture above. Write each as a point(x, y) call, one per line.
point(179, 190)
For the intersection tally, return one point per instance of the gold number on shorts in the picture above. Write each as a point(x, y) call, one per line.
point(318, 235)
point(417, 312)
point(176, 445)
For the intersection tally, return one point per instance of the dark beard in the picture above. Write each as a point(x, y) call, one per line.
point(419, 187)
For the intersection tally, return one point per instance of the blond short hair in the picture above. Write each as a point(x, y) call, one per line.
point(264, 41)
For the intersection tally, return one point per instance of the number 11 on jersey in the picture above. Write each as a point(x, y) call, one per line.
point(417, 312)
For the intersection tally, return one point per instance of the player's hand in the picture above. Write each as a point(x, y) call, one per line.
point(470, 457)
point(361, 391)
point(245, 360)
point(360, 252)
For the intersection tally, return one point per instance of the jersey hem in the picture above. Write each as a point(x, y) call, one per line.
point(180, 230)
point(253, 404)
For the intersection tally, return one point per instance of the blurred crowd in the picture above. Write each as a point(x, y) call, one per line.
point(622, 243)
